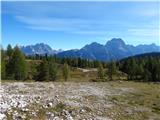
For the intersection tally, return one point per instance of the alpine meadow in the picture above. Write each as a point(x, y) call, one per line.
point(80, 60)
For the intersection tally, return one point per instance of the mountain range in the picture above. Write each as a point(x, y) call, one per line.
point(114, 49)
point(39, 48)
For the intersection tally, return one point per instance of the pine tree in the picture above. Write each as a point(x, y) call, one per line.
point(111, 70)
point(157, 70)
point(140, 70)
point(3, 64)
point(9, 63)
point(65, 71)
point(52, 71)
point(9, 51)
point(131, 69)
point(100, 71)
point(136, 70)
point(146, 75)
point(32, 71)
point(18, 65)
point(43, 71)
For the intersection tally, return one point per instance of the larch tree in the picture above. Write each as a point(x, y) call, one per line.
point(66, 71)
point(9, 51)
point(100, 71)
point(52, 70)
point(43, 71)
point(111, 70)
point(18, 65)
point(3, 64)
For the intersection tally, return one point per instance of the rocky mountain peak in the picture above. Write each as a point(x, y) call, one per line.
point(116, 42)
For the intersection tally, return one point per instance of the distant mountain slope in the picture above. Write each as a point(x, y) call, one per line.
point(114, 49)
point(94, 51)
point(40, 48)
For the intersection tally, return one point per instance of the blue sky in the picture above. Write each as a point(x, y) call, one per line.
point(69, 25)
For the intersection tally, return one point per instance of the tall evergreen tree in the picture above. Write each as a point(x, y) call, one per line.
point(43, 71)
point(9, 51)
point(100, 71)
point(140, 71)
point(32, 70)
point(65, 71)
point(111, 70)
point(146, 75)
point(158, 71)
point(132, 67)
point(18, 65)
point(3, 64)
point(52, 71)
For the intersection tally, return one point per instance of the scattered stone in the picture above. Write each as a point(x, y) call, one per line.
point(3, 116)
point(50, 116)
point(56, 118)
point(25, 109)
point(33, 113)
point(18, 116)
point(50, 104)
point(128, 111)
point(82, 111)
point(23, 117)
point(46, 95)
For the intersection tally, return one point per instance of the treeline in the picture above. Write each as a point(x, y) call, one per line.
point(145, 67)
point(74, 62)
point(15, 65)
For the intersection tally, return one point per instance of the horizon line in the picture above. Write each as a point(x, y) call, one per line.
point(74, 48)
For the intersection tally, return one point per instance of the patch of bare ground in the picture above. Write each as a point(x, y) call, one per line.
point(82, 100)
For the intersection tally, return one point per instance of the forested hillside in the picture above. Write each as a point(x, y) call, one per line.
point(142, 67)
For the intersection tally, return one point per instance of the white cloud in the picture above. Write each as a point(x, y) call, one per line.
point(75, 26)
point(83, 26)
point(49, 24)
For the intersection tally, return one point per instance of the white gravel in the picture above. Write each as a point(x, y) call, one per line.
point(81, 100)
